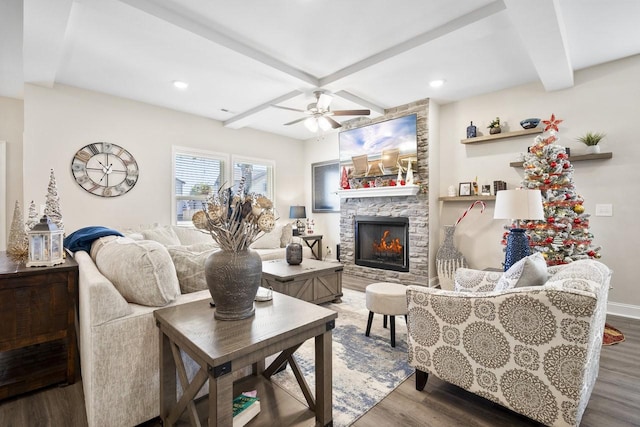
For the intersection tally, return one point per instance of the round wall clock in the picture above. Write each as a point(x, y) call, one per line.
point(104, 169)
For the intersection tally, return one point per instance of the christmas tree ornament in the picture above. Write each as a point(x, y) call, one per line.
point(578, 209)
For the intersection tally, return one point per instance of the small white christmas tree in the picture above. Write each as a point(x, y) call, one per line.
point(52, 204)
point(18, 245)
point(33, 218)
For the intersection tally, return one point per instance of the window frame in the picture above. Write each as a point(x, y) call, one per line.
point(271, 172)
point(224, 158)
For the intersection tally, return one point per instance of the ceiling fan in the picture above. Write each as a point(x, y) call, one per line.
point(318, 114)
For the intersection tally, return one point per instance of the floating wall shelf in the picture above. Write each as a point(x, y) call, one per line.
point(502, 135)
point(466, 198)
point(580, 158)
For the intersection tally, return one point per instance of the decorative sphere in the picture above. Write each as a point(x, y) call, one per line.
point(578, 209)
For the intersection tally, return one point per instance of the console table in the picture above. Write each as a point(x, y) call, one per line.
point(224, 347)
point(37, 327)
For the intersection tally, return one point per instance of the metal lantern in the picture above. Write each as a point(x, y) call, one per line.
point(45, 244)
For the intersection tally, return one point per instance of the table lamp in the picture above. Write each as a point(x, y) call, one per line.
point(298, 213)
point(518, 205)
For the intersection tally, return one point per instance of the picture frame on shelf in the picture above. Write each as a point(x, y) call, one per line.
point(486, 190)
point(464, 189)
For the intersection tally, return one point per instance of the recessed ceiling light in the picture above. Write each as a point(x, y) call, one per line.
point(180, 84)
point(436, 83)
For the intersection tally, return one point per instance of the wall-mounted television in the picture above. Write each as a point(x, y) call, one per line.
point(379, 148)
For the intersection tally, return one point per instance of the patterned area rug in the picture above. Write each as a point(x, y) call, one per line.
point(365, 369)
point(611, 335)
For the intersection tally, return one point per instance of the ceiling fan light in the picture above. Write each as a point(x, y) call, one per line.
point(324, 124)
point(436, 83)
point(312, 124)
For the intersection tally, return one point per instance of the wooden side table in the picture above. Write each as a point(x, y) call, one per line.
point(37, 325)
point(223, 347)
point(314, 241)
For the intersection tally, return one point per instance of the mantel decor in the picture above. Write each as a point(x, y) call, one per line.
point(233, 273)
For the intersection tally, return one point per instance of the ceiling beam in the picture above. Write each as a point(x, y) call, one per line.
point(45, 24)
point(543, 34)
point(424, 38)
point(357, 100)
point(243, 119)
point(207, 32)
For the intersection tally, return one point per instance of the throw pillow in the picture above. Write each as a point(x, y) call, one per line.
point(287, 235)
point(269, 240)
point(191, 236)
point(142, 271)
point(190, 268)
point(529, 271)
point(163, 235)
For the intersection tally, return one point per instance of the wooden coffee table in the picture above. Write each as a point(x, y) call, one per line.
point(224, 347)
point(312, 280)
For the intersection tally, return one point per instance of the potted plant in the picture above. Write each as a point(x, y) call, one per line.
point(494, 126)
point(591, 140)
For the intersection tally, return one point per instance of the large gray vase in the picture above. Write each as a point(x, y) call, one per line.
point(448, 259)
point(233, 279)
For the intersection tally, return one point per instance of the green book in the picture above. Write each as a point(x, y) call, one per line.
point(244, 409)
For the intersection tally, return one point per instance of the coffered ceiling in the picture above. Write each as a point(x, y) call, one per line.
point(242, 57)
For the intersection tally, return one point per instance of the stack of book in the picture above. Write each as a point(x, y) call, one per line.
point(245, 408)
point(499, 185)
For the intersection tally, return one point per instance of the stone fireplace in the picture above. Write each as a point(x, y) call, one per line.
point(412, 208)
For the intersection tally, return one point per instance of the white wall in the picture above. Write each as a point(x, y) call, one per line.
point(322, 148)
point(604, 99)
point(61, 120)
point(11, 125)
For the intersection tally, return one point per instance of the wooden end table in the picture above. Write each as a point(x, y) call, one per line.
point(223, 347)
point(312, 281)
point(313, 242)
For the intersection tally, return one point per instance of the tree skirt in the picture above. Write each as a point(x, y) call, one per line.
point(611, 335)
point(365, 369)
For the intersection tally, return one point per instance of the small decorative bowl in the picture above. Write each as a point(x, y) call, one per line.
point(530, 123)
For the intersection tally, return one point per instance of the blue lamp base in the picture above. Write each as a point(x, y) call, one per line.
point(517, 247)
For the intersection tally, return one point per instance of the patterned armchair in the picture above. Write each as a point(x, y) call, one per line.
point(532, 349)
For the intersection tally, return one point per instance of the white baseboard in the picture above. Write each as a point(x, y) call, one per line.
point(624, 310)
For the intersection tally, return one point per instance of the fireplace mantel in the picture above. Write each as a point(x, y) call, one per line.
point(400, 190)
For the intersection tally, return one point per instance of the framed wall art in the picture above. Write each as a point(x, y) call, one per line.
point(325, 182)
point(464, 189)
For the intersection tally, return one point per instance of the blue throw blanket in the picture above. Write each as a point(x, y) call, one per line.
point(82, 239)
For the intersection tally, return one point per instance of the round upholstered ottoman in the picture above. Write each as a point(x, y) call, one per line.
point(388, 299)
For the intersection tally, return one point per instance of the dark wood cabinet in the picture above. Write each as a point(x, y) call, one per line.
point(37, 325)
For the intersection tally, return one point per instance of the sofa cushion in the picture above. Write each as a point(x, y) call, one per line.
point(190, 267)
point(142, 271)
point(582, 275)
point(191, 236)
point(529, 271)
point(270, 240)
point(164, 235)
point(469, 280)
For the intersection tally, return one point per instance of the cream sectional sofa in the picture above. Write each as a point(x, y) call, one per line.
point(121, 282)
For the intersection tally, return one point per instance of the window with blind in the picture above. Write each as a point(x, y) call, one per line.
point(258, 175)
point(197, 175)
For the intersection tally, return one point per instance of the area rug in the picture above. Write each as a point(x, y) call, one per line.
point(611, 335)
point(365, 369)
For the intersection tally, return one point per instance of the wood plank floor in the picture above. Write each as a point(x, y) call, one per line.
point(615, 401)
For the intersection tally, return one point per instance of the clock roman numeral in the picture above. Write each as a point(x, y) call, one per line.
point(94, 149)
point(83, 156)
point(95, 186)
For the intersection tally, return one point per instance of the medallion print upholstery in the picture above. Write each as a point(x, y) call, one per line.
point(527, 357)
point(487, 379)
point(486, 345)
point(485, 309)
point(451, 335)
point(453, 366)
point(534, 350)
point(574, 330)
point(564, 366)
point(451, 310)
point(426, 330)
point(467, 279)
point(527, 319)
point(528, 395)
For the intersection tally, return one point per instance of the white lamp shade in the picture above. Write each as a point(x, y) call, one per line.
point(312, 124)
point(518, 204)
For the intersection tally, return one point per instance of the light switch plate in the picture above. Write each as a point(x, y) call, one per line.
point(604, 209)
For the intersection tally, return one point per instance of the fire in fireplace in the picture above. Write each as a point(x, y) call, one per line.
point(382, 242)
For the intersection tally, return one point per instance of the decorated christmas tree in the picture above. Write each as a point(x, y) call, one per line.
point(18, 244)
point(564, 235)
point(52, 204)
